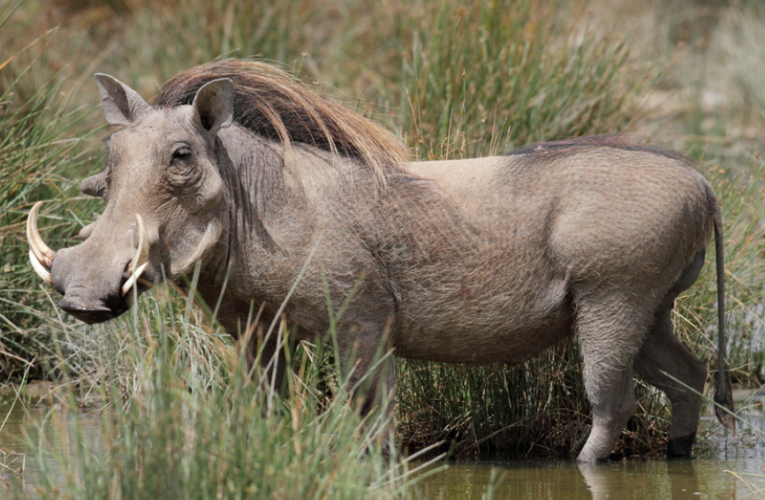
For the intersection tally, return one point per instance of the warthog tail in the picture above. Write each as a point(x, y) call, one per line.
point(723, 392)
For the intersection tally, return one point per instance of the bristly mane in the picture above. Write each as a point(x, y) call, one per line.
point(274, 104)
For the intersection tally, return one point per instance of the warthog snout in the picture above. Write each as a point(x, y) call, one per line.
point(82, 305)
point(96, 285)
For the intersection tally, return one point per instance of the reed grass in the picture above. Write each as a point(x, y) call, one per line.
point(181, 417)
point(490, 77)
point(36, 147)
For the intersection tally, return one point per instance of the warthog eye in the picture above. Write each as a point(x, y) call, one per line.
point(182, 154)
point(183, 170)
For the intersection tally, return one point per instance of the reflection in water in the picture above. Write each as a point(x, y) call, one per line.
point(638, 480)
point(701, 478)
point(472, 480)
point(676, 480)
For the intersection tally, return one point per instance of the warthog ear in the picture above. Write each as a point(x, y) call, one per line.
point(214, 105)
point(122, 105)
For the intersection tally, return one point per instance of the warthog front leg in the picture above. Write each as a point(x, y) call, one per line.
point(611, 326)
point(378, 398)
point(370, 369)
point(616, 404)
point(274, 361)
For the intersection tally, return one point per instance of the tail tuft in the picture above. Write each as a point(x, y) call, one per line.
point(724, 399)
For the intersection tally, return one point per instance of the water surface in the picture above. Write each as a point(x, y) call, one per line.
point(634, 479)
point(30, 427)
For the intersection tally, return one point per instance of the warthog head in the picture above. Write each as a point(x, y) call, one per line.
point(163, 193)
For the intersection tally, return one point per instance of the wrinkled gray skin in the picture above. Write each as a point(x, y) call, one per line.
point(474, 261)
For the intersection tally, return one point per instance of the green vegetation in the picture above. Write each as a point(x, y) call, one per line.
point(498, 75)
point(36, 148)
point(185, 420)
point(180, 417)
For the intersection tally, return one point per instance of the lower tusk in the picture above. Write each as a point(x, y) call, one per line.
point(140, 259)
point(133, 278)
point(211, 236)
point(39, 268)
point(141, 256)
point(42, 252)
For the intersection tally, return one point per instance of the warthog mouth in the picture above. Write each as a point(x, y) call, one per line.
point(79, 301)
point(91, 314)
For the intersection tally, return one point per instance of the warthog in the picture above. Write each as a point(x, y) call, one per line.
point(242, 170)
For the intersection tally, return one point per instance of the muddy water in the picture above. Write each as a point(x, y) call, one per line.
point(718, 475)
point(33, 426)
point(654, 479)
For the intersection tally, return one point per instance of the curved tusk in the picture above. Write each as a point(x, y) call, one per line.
point(140, 259)
point(133, 278)
point(39, 268)
point(42, 252)
point(211, 236)
point(142, 254)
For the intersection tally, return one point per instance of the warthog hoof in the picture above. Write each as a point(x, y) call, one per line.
point(681, 447)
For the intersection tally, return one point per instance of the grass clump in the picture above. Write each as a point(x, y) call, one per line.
point(35, 148)
point(181, 417)
point(487, 78)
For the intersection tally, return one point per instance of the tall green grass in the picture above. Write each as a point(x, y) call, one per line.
point(529, 65)
point(182, 418)
point(492, 76)
point(36, 147)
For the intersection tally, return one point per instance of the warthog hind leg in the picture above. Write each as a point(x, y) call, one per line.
point(662, 362)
